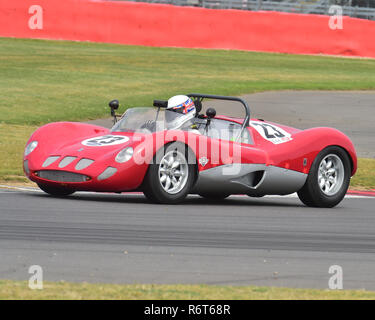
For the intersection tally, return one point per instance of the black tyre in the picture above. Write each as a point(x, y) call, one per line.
point(170, 177)
point(56, 191)
point(214, 196)
point(328, 179)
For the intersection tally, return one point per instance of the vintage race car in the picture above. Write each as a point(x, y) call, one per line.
point(215, 156)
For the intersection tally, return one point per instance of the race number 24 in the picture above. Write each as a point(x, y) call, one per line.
point(271, 132)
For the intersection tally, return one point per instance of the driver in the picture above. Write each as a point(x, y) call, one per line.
point(180, 113)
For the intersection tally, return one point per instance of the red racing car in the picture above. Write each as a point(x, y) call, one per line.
point(171, 150)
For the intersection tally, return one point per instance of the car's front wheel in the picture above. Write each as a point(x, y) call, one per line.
point(56, 191)
point(328, 179)
point(170, 177)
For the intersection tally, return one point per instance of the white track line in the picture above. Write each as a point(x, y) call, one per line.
point(31, 189)
point(2, 186)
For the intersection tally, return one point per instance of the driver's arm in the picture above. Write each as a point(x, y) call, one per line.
point(149, 125)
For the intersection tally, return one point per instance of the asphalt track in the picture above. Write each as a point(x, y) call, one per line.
point(273, 241)
point(240, 241)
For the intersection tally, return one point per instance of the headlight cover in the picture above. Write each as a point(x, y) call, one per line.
point(124, 155)
point(30, 147)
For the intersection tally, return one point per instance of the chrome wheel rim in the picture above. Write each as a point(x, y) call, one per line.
point(173, 172)
point(331, 174)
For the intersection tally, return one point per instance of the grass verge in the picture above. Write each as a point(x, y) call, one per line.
point(365, 176)
point(12, 145)
point(64, 290)
point(43, 81)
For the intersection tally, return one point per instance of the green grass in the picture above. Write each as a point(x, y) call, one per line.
point(365, 176)
point(43, 81)
point(64, 290)
point(12, 144)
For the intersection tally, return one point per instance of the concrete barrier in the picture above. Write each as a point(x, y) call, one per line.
point(172, 26)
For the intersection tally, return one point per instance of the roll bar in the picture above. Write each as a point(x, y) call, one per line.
point(200, 97)
point(246, 121)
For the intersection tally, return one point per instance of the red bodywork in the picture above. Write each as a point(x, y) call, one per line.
point(65, 139)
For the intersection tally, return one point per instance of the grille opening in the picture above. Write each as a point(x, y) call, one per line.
point(62, 176)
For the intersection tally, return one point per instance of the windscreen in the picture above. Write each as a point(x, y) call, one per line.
point(141, 119)
point(134, 119)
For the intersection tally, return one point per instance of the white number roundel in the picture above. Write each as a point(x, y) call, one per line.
point(103, 141)
point(270, 132)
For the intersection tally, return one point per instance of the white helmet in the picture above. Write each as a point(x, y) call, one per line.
point(180, 110)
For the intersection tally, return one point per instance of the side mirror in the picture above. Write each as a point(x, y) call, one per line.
point(114, 105)
point(198, 105)
point(211, 113)
point(160, 103)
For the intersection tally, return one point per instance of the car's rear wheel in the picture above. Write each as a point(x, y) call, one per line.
point(56, 191)
point(328, 179)
point(214, 195)
point(170, 177)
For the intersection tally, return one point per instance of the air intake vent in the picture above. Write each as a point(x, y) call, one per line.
point(258, 175)
point(252, 179)
point(49, 161)
point(62, 176)
point(66, 161)
point(83, 164)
